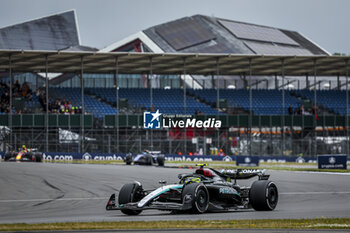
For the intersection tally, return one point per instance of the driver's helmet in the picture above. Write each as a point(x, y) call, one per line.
point(205, 172)
point(190, 180)
point(24, 147)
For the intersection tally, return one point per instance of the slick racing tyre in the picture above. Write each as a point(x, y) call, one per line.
point(130, 193)
point(160, 160)
point(263, 195)
point(148, 159)
point(128, 159)
point(197, 195)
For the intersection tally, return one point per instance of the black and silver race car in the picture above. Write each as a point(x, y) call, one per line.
point(205, 190)
point(145, 158)
point(23, 156)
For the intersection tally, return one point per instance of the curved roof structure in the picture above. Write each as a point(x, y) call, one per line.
point(53, 32)
point(200, 34)
point(204, 34)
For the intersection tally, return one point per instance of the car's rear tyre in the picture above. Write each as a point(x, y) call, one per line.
point(128, 159)
point(129, 193)
point(197, 195)
point(263, 195)
point(160, 160)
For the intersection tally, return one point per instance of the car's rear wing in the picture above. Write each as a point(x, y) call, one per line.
point(241, 174)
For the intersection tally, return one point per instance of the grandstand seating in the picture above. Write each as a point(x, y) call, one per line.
point(100, 101)
point(169, 101)
point(29, 105)
point(265, 102)
point(92, 105)
point(33, 103)
point(334, 100)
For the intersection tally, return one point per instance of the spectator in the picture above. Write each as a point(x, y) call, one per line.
point(221, 153)
point(24, 91)
point(16, 86)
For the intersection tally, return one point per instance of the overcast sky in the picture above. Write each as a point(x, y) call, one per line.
point(102, 22)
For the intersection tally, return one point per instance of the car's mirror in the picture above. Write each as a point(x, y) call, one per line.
point(163, 182)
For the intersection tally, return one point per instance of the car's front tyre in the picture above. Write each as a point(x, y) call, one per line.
point(129, 193)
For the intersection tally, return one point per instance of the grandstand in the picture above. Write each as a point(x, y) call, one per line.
point(170, 101)
point(205, 75)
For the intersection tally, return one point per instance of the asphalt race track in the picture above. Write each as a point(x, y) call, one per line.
point(48, 192)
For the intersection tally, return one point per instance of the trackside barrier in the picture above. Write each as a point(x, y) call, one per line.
point(332, 161)
point(68, 156)
point(61, 156)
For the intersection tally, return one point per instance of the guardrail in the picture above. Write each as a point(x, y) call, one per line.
point(243, 120)
point(57, 120)
point(38, 120)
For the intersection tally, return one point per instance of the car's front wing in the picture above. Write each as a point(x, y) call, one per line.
point(112, 205)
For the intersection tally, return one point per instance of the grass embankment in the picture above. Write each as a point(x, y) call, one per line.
point(318, 223)
point(288, 166)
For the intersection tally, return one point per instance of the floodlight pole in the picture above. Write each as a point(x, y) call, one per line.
point(347, 105)
point(250, 106)
point(315, 106)
point(116, 74)
point(283, 107)
point(151, 95)
point(184, 88)
point(47, 104)
point(217, 98)
point(82, 103)
point(10, 110)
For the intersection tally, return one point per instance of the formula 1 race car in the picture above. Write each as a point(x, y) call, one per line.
point(24, 155)
point(145, 158)
point(205, 190)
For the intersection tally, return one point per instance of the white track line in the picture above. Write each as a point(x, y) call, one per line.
point(325, 173)
point(313, 193)
point(60, 199)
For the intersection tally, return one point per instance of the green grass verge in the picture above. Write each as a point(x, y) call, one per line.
point(318, 223)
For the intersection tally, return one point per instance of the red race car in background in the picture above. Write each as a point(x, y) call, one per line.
point(24, 155)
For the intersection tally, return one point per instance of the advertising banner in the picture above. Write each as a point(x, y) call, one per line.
point(324, 161)
point(247, 161)
point(332, 161)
